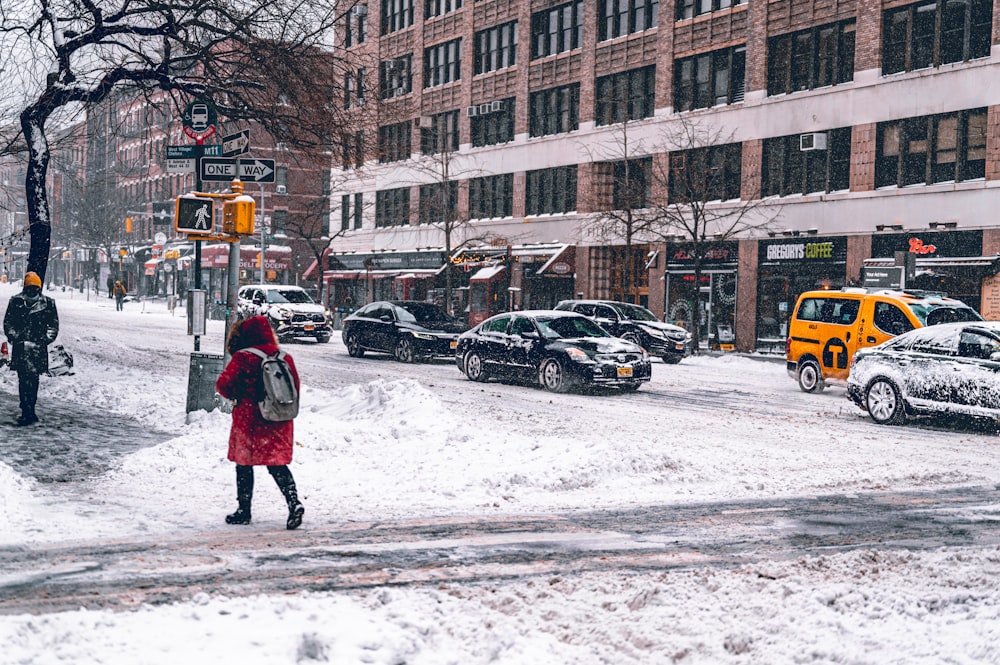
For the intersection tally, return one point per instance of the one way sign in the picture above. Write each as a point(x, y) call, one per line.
point(251, 170)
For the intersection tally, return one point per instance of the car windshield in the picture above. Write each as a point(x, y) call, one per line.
point(570, 327)
point(288, 295)
point(931, 315)
point(421, 313)
point(636, 313)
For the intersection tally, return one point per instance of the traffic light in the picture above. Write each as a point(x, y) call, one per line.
point(128, 225)
point(237, 216)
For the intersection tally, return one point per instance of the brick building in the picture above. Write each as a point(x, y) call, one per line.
point(865, 127)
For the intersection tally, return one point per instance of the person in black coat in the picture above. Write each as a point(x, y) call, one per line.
point(31, 324)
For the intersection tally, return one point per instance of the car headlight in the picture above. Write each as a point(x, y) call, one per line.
point(577, 354)
point(420, 335)
point(653, 332)
point(281, 314)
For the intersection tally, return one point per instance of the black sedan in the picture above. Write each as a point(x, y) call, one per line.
point(559, 350)
point(951, 368)
point(408, 329)
point(636, 324)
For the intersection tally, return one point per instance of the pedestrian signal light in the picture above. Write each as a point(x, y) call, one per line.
point(122, 252)
point(128, 225)
point(237, 216)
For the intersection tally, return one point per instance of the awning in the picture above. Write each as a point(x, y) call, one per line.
point(149, 267)
point(485, 274)
point(562, 263)
point(991, 262)
point(417, 274)
point(308, 274)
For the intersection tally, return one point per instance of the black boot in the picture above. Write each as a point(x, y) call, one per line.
point(283, 477)
point(244, 495)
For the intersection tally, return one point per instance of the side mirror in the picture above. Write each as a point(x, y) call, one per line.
point(529, 334)
point(995, 357)
point(386, 318)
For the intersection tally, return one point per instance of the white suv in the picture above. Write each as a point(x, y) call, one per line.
point(290, 310)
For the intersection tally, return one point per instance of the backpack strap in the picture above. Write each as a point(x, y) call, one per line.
point(257, 352)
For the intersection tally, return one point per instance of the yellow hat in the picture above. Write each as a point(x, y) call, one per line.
point(31, 279)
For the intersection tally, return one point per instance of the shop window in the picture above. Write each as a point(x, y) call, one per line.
point(554, 111)
point(812, 58)
point(626, 96)
point(557, 30)
point(392, 207)
point(929, 34)
point(491, 197)
point(495, 127)
point(890, 319)
point(496, 48)
point(787, 169)
point(551, 191)
point(443, 63)
point(709, 79)
point(939, 148)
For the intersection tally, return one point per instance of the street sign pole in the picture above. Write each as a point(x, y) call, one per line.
point(199, 152)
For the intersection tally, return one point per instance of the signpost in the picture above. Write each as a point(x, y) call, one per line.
point(224, 170)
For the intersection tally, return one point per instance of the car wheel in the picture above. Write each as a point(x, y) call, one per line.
point(670, 360)
point(884, 402)
point(354, 346)
point(632, 337)
point(810, 377)
point(322, 339)
point(553, 377)
point(404, 352)
point(475, 369)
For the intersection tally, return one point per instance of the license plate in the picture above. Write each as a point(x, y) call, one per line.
point(309, 327)
point(453, 344)
point(624, 372)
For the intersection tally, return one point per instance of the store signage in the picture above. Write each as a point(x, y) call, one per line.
point(804, 251)
point(388, 261)
point(560, 268)
point(890, 277)
point(917, 246)
point(928, 243)
point(681, 255)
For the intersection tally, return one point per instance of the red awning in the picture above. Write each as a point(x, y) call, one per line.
point(311, 270)
point(562, 263)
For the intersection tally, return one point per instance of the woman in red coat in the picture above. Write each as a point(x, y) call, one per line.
point(253, 440)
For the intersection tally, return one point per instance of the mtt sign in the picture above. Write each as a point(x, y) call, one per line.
point(251, 170)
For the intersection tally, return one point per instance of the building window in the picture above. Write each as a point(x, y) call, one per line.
point(281, 177)
point(356, 26)
point(396, 76)
point(354, 88)
point(443, 63)
point(928, 34)
point(439, 202)
point(557, 30)
point(494, 127)
point(708, 79)
point(394, 142)
point(947, 147)
point(279, 222)
point(706, 174)
point(617, 18)
point(691, 8)
point(439, 7)
point(811, 58)
point(442, 135)
point(392, 207)
point(353, 150)
point(396, 15)
point(626, 95)
point(625, 184)
point(496, 48)
point(788, 169)
point(551, 191)
point(554, 111)
point(491, 197)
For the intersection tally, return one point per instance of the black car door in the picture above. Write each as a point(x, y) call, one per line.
point(364, 323)
point(521, 346)
point(384, 333)
point(491, 344)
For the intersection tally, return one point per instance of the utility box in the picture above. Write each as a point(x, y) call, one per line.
point(203, 372)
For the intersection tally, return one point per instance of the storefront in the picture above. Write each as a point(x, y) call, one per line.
point(215, 267)
point(711, 300)
point(950, 262)
point(785, 269)
point(353, 279)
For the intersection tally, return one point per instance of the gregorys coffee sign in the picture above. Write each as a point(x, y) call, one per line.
point(814, 250)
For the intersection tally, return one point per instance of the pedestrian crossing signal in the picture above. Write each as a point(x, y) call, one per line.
point(194, 215)
point(237, 216)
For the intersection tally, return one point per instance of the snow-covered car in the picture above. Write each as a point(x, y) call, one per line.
point(636, 324)
point(947, 368)
point(291, 311)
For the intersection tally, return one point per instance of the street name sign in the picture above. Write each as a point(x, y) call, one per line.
point(194, 214)
point(251, 170)
point(188, 151)
point(236, 144)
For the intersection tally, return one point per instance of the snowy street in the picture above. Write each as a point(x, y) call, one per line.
point(718, 515)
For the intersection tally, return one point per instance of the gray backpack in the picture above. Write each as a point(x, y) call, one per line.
point(281, 399)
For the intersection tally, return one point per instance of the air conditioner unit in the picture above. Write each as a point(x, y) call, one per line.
point(423, 122)
point(471, 111)
point(399, 91)
point(812, 141)
point(484, 109)
point(360, 10)
point(497, 105)
point(280, 189)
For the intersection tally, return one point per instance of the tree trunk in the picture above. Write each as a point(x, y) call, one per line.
point(36, 194)
point(696, 308)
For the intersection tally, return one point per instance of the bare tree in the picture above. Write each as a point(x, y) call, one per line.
point(264, 61)
point(700, 177)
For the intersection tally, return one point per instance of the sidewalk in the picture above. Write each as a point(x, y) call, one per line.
point(71, 442)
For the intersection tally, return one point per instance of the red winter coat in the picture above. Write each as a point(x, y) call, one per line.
point(253, 440)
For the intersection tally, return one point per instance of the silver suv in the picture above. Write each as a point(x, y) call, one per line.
point(290, 310)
